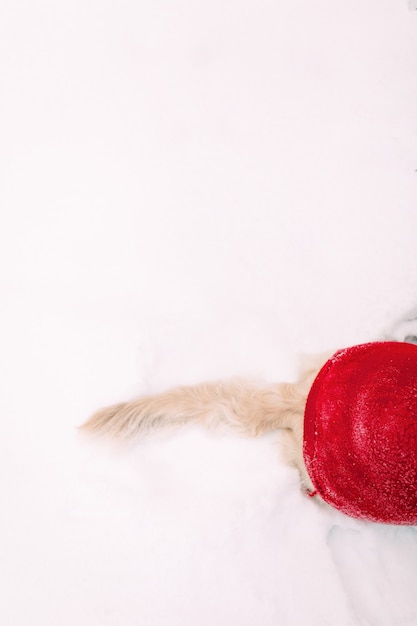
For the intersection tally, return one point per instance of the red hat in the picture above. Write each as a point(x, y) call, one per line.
point(360, 432)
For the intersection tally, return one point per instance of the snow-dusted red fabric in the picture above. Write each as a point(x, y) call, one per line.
point(360, 432)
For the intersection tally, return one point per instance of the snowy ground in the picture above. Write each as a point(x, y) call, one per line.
point(194, 190)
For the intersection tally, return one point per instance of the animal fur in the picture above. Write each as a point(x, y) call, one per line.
point(238, 406)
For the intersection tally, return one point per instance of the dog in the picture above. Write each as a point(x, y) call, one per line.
point(239, 406)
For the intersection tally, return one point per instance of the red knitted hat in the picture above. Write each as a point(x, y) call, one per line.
point(360, 432)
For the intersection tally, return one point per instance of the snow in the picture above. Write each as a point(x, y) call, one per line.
point(193, 191)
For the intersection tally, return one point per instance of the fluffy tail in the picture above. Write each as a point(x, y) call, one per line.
point(238, 406)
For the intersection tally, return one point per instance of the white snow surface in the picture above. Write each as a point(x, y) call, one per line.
point(194, 190)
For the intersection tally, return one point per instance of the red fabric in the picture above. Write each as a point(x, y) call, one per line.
point(360, 432)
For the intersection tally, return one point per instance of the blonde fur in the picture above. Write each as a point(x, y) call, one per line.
point(238, 406)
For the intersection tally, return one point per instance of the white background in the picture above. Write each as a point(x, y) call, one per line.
point(194, 190)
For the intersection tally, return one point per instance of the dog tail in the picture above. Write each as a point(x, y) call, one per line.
point(236, 406)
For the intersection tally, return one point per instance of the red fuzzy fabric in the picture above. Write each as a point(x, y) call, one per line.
point(360, 432)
